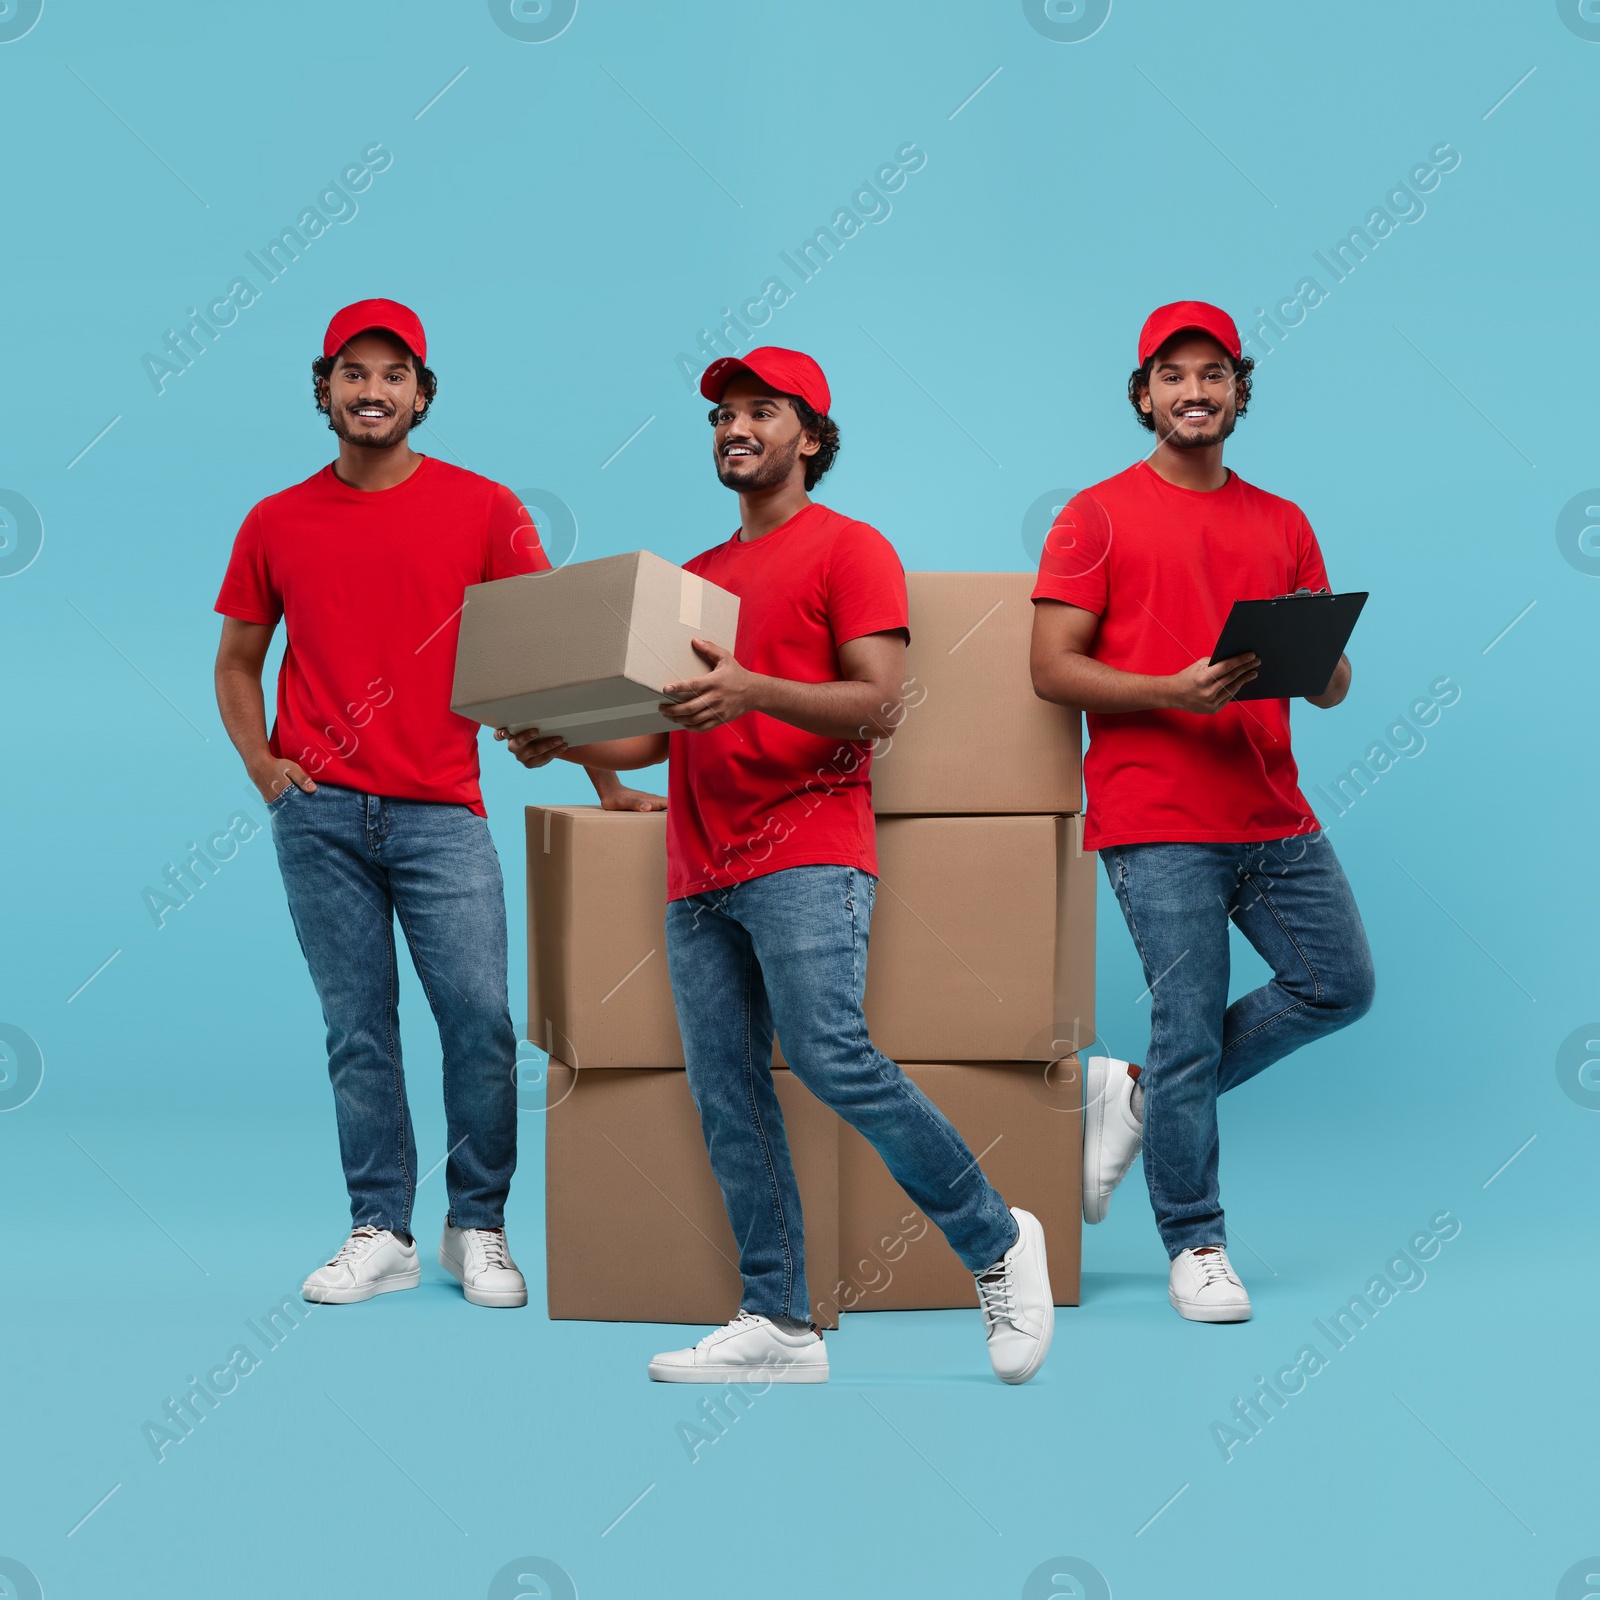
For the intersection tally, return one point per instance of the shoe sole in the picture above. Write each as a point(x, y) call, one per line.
point(1190, 1311)
point(727, 1375)
point(1049, 1314)
point(1095, 1205)
point(503, 1298)
point(366, 1291)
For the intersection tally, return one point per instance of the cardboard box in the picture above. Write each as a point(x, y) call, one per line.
point(976, 738)
point(982, 939)
point(598, 990)
point(1025, 1123)
point(982, 942)
point(635, 1227)
point(585, 651)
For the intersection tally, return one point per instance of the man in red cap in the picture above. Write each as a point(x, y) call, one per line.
point(371, 782)
point(772, 862)
point(1193, 797)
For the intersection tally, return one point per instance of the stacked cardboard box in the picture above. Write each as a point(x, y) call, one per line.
point(982, 942)
point(1024, 1119)
point(634, 1223)
point(980, 982)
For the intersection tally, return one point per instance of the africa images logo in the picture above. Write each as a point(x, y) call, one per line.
point(533, 21)
point(21, 533)
point(1066, 21)
point(17, 18)
point(1578, 533)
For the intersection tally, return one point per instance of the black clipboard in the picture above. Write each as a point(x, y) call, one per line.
point(1299, 638)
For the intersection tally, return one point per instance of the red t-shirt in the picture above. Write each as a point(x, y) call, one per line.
point(758, 795)
point(1161, 566)
point(370, 585)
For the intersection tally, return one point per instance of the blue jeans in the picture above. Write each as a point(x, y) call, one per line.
point(351, 864)
point(1289, 898)
point(790, 949)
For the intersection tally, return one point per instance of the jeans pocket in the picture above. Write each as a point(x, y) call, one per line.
point(281, 799)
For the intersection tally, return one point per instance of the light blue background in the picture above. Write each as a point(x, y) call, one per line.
point(176, 1172)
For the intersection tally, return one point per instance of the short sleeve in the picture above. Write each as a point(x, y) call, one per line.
point(513, 546)
point(248, 592)
point(1074, 565)
point(866, 585)
point(1309, 572)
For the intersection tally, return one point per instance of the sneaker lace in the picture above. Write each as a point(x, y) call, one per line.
point(493, 1244)
point(1214, 1268)
point(745, 1319)
point(356, 1246)
point(997, 1297)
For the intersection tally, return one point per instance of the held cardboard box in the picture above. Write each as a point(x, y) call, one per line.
point(975, 737)
point(598, 991)
point(635, 1227)
point(982, 943)
point(1026, 1120)
point(584, 651)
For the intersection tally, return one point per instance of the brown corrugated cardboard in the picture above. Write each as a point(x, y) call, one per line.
point(598, 991)
point(634, 1222)
point(982, 939)
point(975, 737)
point(1026, 1121)
point(584, 651)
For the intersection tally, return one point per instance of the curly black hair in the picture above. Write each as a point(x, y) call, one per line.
point(427, 386)
point(1139, 384)
point(821, 426)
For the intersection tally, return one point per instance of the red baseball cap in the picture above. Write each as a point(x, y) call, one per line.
point(785, 371)
point(388, 315)
point(1165, 321)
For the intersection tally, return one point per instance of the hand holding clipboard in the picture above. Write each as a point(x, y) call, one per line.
point(1298, 639)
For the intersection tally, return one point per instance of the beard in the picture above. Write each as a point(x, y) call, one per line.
point(764, 471)
point(339, 421)
point(1173, 433)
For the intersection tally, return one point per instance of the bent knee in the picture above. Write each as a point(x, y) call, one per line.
point(840, 1068)
point(1347, 996)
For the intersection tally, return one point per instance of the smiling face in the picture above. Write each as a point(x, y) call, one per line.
point(1191, 396)
point(372, 394)
point(757, 438)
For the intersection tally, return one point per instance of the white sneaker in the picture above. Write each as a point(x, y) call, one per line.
point(1019, 1315)
point(750, 1349)
point(1205, 1288)
point(478, 1258)
point(371, 1261)
point(1111, 1132)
